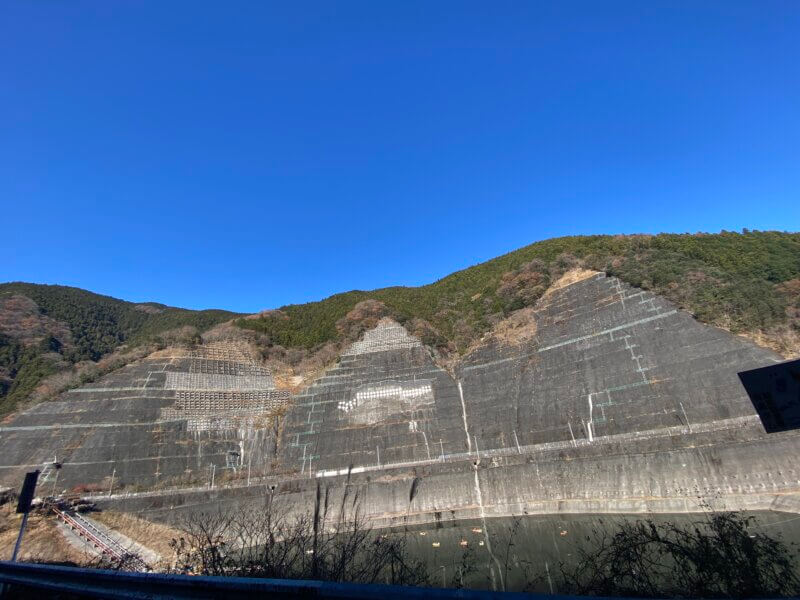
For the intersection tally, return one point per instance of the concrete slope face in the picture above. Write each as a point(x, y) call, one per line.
point(612, 401)
point(177, 418)
point(619, 402)
point(384, 403)
point(607, 360)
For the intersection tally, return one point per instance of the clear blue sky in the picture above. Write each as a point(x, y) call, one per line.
point(248, 155)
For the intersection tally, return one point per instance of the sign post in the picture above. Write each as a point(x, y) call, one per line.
point(24, 506)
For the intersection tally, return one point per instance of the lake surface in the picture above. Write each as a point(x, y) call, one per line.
point(539, 546)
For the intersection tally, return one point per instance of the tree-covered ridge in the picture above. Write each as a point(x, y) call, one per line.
point(745, 282)
point(99, 324)
point(74, 326)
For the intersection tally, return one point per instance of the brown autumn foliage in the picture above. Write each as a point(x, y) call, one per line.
point(21, 319)
point(364, 316)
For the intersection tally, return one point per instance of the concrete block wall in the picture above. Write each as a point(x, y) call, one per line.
point(384, 402)
point(160, 421)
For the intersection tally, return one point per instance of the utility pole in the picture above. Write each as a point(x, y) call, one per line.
point(213, 472)
point(24, 506)
point(516, 439)
point(111, 485)
point(57, 467)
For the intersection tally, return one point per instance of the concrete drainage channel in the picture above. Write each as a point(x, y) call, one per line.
point(100, 540)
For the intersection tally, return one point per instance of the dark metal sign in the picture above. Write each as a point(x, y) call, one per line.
point(27, 493)
point(775, 394)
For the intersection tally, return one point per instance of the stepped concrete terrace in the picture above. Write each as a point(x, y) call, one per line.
point(173, 417)
point(620, 402)
point(384, 402)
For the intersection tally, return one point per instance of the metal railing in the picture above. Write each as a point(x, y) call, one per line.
point(100, 540)
point(96, 583)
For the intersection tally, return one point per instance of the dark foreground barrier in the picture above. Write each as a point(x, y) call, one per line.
point(96, 583)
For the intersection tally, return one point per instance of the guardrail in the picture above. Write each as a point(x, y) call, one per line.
point(96, 583)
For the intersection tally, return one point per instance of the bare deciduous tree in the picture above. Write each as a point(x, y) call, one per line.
point(270, 543)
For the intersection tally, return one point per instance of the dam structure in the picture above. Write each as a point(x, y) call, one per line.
point(178, 416)
point(614, 400)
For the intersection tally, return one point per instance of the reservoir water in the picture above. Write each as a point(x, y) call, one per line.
point(511, 559)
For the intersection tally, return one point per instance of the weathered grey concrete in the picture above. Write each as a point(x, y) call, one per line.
point(135, 428)
point(384, 402)
point(619, 403)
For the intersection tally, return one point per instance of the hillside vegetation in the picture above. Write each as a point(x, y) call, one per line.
point(745, 282)
point(47, 329)
point(748, 283)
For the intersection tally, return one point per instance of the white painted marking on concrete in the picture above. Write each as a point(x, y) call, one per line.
point(337, 472)
point(464, 415)
point(616, 283)
point(572, 435)
point(427, 448)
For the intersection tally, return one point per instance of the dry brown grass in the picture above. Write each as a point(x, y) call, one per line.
point(570, 277)
point(784, 340)
point(154, 536)
point(518, 328)
point(43, 540)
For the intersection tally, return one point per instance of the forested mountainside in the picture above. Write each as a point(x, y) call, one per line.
point(748, 283)
point(745, 282)
point(47, 329)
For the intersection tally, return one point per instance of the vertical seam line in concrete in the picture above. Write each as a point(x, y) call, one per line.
point(464, 416)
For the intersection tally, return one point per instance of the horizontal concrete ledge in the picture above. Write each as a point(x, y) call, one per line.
point(449, 459)
point(787, 502)
point(59, 426)
point(96, 583)
point(576, 340)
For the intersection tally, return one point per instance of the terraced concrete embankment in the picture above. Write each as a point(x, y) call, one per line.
point(618, 403)
point(384, 402)
point(612, 401)
point(167, 419)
